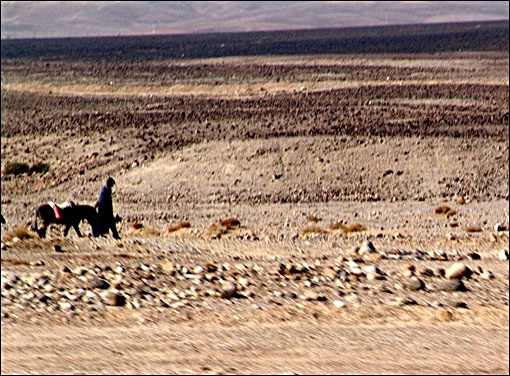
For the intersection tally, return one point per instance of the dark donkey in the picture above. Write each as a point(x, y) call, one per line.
point(71, 217)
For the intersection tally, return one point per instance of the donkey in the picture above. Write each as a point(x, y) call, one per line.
point(71, 217)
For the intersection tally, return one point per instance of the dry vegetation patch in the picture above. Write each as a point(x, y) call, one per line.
point(473, 228)
point(138, 228)
point(19, 233)
point(445, 210)
point(221, 228)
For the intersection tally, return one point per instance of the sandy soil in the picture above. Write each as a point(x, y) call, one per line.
point(297, 150)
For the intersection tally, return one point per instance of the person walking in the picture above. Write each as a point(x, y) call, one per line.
point(104, 206)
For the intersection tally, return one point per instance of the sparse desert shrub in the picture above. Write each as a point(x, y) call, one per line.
point(136, 225)
point(218, 229)
point(355, 227)
point(21, 233)
point(337, 226)
point(443, 209)
point(15, 168)
point(473, 229)
point(313, 230)
point(450, 213)
point(446, 210)
point(215, 231)
point(177, 227)
point(230, 222)
point(313, 218)
point(139, 229)
point(39, 168)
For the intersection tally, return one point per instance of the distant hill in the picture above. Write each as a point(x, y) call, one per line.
point(430, 38)
point(43, 19)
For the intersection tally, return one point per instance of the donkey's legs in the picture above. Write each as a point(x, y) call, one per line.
point(77, 229)
point(67, 227)
point(42, 230)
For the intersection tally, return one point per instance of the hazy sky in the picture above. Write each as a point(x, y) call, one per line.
point(29, 19)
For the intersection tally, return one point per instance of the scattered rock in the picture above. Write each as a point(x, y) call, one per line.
point(310, 296)
point(113, 298)
point(503, 255)
point(385, 289)
point(409, 267)
point(228, 290)
point(500, 227)
point(80, 271)
point(168, 267)
point(330, 272)
point(66, 306)
point(457, 270)
point(452, 285)
point(98, 283)
point(374, 257)
point(487, 275)
point(9, 279)
point(438, 255)
point(353, 299)
point(371, 269)
point(443, 315)
point(415, 284)
point(451, 236)
point(461, 200)
point(426, 272)
point(474, 256)
point(405, 300)
point(406, 273)
point(366, 248)
point(457, 304)
point(64, 269)
point(339, 304)
point(375, 276)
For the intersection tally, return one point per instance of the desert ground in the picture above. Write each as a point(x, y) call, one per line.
point(342, 214)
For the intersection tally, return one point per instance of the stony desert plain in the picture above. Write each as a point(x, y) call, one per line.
point(306, 214)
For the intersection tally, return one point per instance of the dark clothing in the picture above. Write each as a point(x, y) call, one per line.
point(105, 212)
point(105, 203)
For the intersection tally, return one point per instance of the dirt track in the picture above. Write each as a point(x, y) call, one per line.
point(313, 347)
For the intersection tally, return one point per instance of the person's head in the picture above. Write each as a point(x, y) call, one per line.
point(109, 182)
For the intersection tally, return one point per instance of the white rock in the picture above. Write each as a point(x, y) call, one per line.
point(199, 269)
point(371, 269)
point(356, 271)
point(229, 289)
point(487, 275)
point(366, 247)
point(339, 304)
point(352, 264)
point(353, 299)
point(503, 255)
point(66, 306)
point(243, 281)
point(457, 270)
